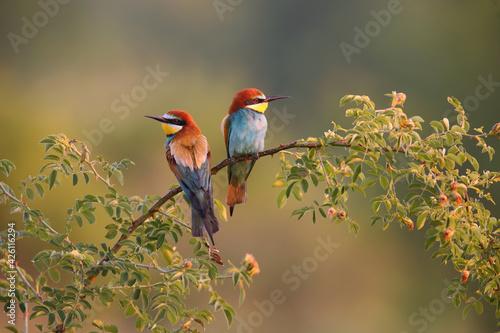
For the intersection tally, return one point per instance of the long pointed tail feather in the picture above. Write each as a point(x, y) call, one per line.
point(236, 194)
point(203, 222)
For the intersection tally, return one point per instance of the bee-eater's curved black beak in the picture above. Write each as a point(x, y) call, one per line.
point(159, 118)
point(273, 98)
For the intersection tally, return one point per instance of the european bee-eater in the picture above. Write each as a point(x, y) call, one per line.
point(244, 131)
point(188, 156)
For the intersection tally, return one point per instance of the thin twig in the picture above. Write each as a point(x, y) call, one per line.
point(30, 287)
point(221, 277)
point(174, 219)
point(327, 179)
point(163, 271)
point(41, 220)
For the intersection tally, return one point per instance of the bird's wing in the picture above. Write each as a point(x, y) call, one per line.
point(226, 130)
point(194, 181)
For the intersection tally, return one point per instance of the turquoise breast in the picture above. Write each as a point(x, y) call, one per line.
point(247, 132)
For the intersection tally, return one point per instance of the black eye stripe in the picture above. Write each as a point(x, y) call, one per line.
point(175, 122)
point(252, 101)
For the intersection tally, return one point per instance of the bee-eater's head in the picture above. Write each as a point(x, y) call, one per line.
point(252, 99)
point(173, 121)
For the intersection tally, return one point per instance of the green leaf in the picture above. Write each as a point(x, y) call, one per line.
point(367, 182)
point(421, 220)
point(476, 232)
point(438, 126)
point(78, 220)
point(99, 324)
point(75, 179)
point(89, 216)
point(119, 176)
point(30, 194)
point(279, 183)
point(356, 148)
point(305, 185)
point(221, 208)
point(466, 310)
point(54, 274)
point(479, 307)
point(136, 294)
point(456, 300)
point(454, 158)
point(429, 243)
point(51, 158)
point(384, 182)
point(12, 329)
point(123, 277)
point(357, 171)
point(346, 99)
point(90, 198)
point(229, 317)
point(145, 300)
point(129, 311)
point(6, 166)
point(281, 199)
point(111, 329)
point(236, 278)
point(297, 193)
point(139, 324)
point(52, 179)
point(353, 227)
point(449, 139)
point(160, 315)
point(39, 189)
point(474, 163)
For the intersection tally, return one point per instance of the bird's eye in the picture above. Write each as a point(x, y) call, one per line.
point(175, 121)
point(256, 100)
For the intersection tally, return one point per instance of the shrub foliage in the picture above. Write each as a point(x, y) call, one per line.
point(429, 182)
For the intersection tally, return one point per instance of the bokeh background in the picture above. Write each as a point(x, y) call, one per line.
point(74, 72)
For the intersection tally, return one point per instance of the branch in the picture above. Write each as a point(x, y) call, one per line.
point(163, 271)
point(272, 151)
point(27, 284)
point(155, 208)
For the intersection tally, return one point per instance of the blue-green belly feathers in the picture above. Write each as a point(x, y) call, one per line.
point(245, 135)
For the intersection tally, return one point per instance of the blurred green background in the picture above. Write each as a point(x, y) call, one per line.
point(73, 70)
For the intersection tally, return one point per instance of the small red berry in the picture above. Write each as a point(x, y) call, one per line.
point(341, 214)
point(448, 233)
point(465, 276)
point(453, 186)
point(408, 124)
point(332, 212)
point(443, 199)
point(456, 198)
point(410, 226)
